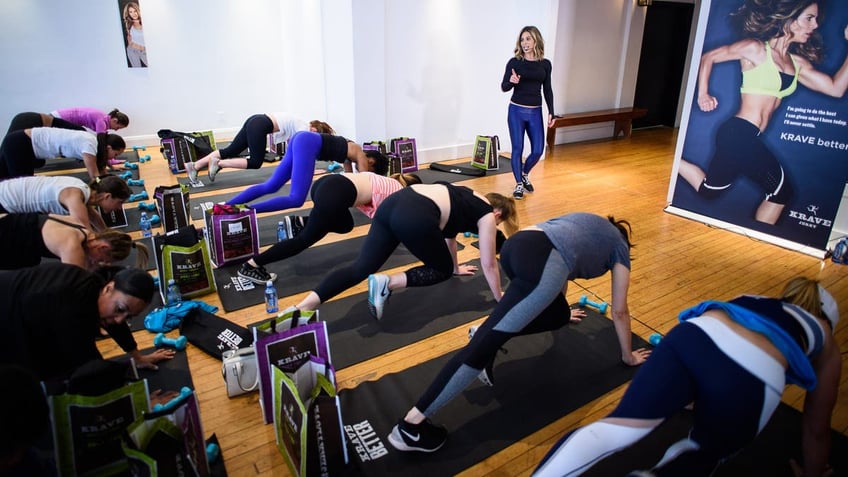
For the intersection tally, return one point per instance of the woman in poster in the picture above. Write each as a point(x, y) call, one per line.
point(136, 53)
point(778, 51)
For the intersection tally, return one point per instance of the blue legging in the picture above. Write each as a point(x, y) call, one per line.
point(253, 137)
point(523, 120)
point(298, 165)
point(533, 303)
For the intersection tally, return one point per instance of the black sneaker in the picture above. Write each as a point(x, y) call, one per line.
point(518, 192)
point(257, 275)
point(423, 437)
point(297, 222)
point(525, 181)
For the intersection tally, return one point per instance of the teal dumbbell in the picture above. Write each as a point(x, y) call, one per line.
point(126, 175)
point(130, 165)
point(655, 339)
point(185, 392)
point(139, 148)
point(155, 220)
point(601, 307)
point(137, 197)
point(135, 182)
point(470, 234)
point(144, 158)
point(146, 207)
point(161, 341)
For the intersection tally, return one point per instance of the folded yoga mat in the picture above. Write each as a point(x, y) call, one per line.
point(768, 454)
point(409, 316)
point(540, 379)
point(429, 176)
point(297, 274)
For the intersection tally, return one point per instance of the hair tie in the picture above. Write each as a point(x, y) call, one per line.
point(97, 180)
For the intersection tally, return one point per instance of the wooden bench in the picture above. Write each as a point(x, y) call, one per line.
point(623, 118)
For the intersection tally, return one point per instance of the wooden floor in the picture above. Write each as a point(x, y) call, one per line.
point(677, 263)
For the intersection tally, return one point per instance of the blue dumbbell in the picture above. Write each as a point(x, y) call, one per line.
point(146, 207)
point(126, 175)
point(655, 339)
point(185, 392)
point(470, 234)
point(156, 281)
point(144, 158)
point(161, 340)
point(155, 220)
point(139, 148)
point(335, 168)
point(135, 182)
point(601, 307)
point(130, 165)
point(137, 197)
point(212, 452)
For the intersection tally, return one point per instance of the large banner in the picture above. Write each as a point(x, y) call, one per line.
point(765, 152)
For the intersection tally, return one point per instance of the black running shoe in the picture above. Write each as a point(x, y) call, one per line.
point(257, 275)
point(518, 192)
point(298, 222)
point(525, 181)
point(423, 437)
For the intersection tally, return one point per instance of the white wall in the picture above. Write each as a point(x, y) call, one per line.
point(374, 69)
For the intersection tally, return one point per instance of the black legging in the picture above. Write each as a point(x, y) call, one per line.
point(404, 217)
point(17, 158)
point(332, 196)
point(35, 120)
point(533, 303)
point(253, 136)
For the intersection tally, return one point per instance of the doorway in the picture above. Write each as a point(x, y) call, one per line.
point(661, 65)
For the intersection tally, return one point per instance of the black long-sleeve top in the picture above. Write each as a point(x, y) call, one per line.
point(535, 78)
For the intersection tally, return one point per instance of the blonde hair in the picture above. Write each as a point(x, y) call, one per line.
point(538, 48)
point(804, 292)
point(407, 180)
point(509, 213)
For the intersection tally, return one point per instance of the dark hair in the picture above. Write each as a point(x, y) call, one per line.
point(623, 226)
point(131, 281)
point(112, 140)
point(767, 19)
point(381, 162)
point(110, 184)
point(122, 118)
point(120, 246)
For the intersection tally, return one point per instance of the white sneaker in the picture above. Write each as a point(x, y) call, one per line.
point(192, 172)
point(213, 168)
point(378, 294)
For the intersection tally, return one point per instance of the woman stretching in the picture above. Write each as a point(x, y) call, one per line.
point(253, 136)
point(539, 261)
point(23, 151)
point(93, 119)
point(298, 165)
point(425, 218)
point(732, 360)
point(332, 198)
point(64, 196)
point(26, 238)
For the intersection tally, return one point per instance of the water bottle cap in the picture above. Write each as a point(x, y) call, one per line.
point(280, 223)
point(171, 281)
point(269, 283)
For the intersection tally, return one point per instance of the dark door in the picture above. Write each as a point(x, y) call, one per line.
point(661, 65)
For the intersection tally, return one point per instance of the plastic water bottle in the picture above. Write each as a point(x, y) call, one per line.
point(144, 223)
point(270, 297)
point(281, 231)
point(174, 295)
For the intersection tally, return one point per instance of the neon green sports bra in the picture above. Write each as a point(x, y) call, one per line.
point(766, 79)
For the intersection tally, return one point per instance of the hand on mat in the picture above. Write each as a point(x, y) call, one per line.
point(798, 470)
point(162, 397)
point(149, 360)
point(577, 315)
point(465, 270)
point(637, 357)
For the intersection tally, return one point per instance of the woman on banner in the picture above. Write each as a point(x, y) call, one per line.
point(539, 261)
point(253, 136)
point(426, 219)
point(298, 165)
point(65, 195)
point(52, 315)
point(27, 238)
point(332, 197)
point(778, 52)
point(134, 31)
point(23, 151)
point(732, 360)
point(527, 73)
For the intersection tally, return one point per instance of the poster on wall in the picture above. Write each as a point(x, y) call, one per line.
point(763, 144)
point(133, 33)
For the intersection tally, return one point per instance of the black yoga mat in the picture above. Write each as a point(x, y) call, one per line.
point(69, 163)
point(268, 224)
point(297, 274)
point(768, 454)
point(541, 378)
point(201, 203)
point(131, 259)
point(429, 176)
point(82, 174)
point(229, 178)
point(410, 315)
point(269, 156)
point(172, 374)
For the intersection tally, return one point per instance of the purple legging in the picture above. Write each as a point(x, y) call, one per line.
point(298, 165)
